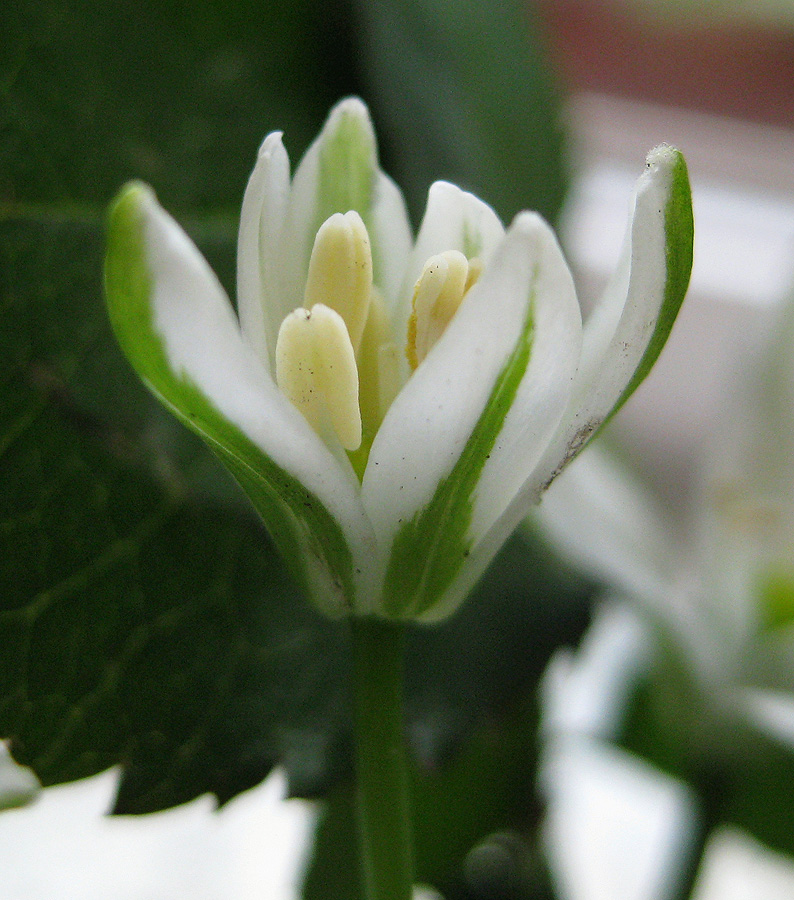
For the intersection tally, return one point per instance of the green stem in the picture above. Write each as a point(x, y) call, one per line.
point(384, 814)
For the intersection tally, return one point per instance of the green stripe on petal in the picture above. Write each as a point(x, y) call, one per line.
point(429, 551)
point(630, 325)
point(309, 537)
point(305, 533)
point(348, 164)
point(679, 230)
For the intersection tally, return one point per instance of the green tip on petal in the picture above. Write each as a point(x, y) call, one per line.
point(348, 163)
point(667, 162)
point(777, 600)
point(127, 281)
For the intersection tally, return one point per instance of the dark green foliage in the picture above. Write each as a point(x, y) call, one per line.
point(144, 617)
point(463, 94)
point(144, 620)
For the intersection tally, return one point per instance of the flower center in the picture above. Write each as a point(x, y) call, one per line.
point(336, 358)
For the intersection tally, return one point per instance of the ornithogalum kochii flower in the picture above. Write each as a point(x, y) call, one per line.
point(391, 406)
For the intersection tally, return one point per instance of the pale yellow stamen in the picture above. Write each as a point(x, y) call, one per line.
point(378, 365)
point(316, 370)
point(475, 270)
point(438, 293)
point(340, 271)
point(336, 359)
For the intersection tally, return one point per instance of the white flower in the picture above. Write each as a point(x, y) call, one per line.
point(722, 601)
point(705, 639)
point(719, 606)
point(66, 846)
point(18, 784)
point(392, 407)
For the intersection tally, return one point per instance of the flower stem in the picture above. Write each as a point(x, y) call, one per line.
point(384, 815)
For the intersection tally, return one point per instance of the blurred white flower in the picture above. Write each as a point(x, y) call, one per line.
point(64, 846)
point(720, 587)
point(735, 867)
point(615, 828)
point(706, 620)
point(18, 785)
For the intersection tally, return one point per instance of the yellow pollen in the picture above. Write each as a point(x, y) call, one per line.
point(336, 359)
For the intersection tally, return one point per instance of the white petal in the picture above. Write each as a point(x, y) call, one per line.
point(259, 247)
point(546, 386)
point(300, 229)
point(616, 828)
point(770, 711)
point(431, 420)
point(203, 344)
point(587, 693)
point(602, 520)
point(453, 220)
point(734, 866)
point(620, 330)
point(502, 500)
point(307, 208)
point(617, 332)
point(391, 239)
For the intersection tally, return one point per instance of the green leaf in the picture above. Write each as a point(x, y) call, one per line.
point(143, 622)
point(460, 91)
point(92, 96)
point(756, 796)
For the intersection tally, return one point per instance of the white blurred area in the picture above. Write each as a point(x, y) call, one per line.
point(18, 784)
point(735, 867)
point(616, 828)
point(743, 194)
point(64, 847)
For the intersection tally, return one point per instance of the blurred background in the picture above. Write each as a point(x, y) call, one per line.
point(714, 78)
point(144, 619)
